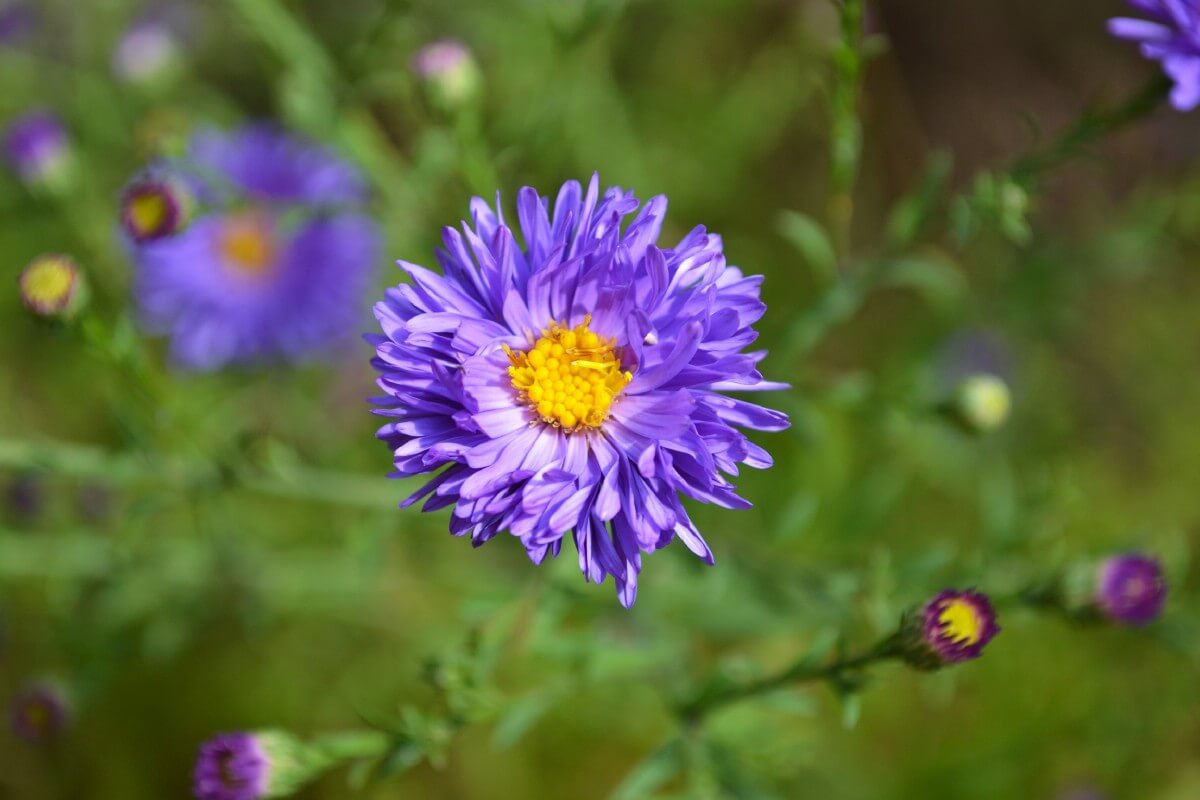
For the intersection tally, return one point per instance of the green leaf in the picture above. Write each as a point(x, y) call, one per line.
point(812, 241)
point(520, 716)
point(652, 773)
point(911, 214)
point(931, 275)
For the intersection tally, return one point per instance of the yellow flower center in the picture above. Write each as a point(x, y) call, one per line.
point(148, 212)
point(570, 376)
point(47, 282)
point(960, 622)
point(247, 244)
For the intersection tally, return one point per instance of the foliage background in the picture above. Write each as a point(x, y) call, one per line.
point(248, 567)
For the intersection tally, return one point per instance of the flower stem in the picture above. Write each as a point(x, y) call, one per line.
point(352, 745)
point(845, 140)
point(803, 671)
point(1089, 128)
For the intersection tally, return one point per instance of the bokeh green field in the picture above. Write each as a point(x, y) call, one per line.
point(223, 552)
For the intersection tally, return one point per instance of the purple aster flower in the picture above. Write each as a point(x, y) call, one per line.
point(577, 385)
point(155, 206)
point(39, 713)
point(266, 274)
point(272, 166)
point(1131, 588)
point(953, 627)
point(1171, 36)
point(248, 286)
point(36, 147)
point(52, 286)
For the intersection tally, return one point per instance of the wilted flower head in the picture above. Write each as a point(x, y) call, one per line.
point(155, 206)
point(449, 70)
point(52, 286)
point(577, 385)
point(1131, 588)
point(37, 148)
point(279, 266)
point(953, 627)
point(1171, 36)
point(39, 713)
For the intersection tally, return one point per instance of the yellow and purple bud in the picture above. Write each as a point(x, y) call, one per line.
point(953, 627)
point(1130, 589)
point(53, 287)
point(155, 207)
point(39, 713)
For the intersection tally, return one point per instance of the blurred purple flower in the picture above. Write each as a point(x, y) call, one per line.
point(36, 146)
point(232, 766)
point(145, 51)
point(279, 277)
point(1131, 588)
point(249, 286)
point(39, 713)
point(441, 58)
point(272, 166)
point(577, 384)
point(1172, 37)
point(957, 625)
point(17, 21)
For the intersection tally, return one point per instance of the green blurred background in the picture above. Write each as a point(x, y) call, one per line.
point(224, 553)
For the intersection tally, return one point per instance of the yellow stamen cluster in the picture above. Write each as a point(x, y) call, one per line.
point(48, 284)
point(148, 212)
point(570, 376)
point(961, 622)
point(248, 245)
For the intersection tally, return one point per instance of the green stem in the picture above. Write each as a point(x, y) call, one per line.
point(803, 671)
point(131, 469)
point(351, 745)
point(845, 127)
point(1090, 128)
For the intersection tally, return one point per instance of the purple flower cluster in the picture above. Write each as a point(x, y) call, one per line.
point(277, 264)
point(577, 385)
point(1171, 36)
point(39, 713)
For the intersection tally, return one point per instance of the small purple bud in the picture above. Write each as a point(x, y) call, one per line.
point(39, 713)
point(25, 497)
point(1131, 588)
point(232, 766)
point(449, 71)
point(147, 51)
point(37, 148)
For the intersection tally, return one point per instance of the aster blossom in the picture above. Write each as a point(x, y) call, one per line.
point(953, 626)
point(1171, 36)
point(577, 386)
point(276, 261)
